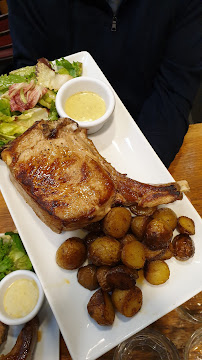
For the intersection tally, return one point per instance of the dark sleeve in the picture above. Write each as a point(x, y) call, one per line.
point(39, 28)
point(164, 115)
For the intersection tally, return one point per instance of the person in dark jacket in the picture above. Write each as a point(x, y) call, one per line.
point(148, 50)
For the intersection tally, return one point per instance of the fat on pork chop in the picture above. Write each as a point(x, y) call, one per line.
point(65, 180)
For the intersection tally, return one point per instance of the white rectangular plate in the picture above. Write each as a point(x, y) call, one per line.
point(123, 145)
point(47, 346)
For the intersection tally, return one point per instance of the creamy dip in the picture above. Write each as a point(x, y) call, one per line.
point(20, 298)
point(85, 106)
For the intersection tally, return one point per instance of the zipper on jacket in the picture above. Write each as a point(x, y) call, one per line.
point(114, 23)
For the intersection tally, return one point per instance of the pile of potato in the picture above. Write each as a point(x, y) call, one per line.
point(124, 242)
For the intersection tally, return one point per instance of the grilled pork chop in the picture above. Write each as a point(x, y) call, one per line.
point(25, 343)
point(68, 183)
point(3, 332)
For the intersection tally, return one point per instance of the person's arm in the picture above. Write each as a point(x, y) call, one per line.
point(164, 116)
point(38, 29)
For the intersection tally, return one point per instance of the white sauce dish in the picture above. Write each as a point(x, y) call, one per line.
point(86, 86)
point(21, 297)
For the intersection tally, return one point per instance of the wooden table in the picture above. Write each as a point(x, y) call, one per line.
point(186, 165)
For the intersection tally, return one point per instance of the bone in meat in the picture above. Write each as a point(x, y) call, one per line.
point(68, 183)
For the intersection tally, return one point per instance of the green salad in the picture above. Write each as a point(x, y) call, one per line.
point(13, 255)
point(28, 95)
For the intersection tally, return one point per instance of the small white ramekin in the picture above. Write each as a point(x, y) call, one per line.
point(85, 83)
point(5, 283)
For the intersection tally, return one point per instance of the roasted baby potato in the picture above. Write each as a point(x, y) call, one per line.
point(121, 277)
point(152, 254)
point(156, 272)
point(127, 238)
point(185, 225)
point(87, 277)
point(133, 255)
point(138, 210)
point(104, 251)
point(101, 277)
point(117, 222)
point(167, 215)
point(91, 236)
point(183, 247)
point(161, 254)
point(139, 224)
point(157, 235)
point(166, 254)
point(127, 302)
point(71, 254)
point(95, 227)
point(100, 308)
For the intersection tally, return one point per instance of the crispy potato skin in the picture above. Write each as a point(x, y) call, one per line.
point(117, 222)
point(121, 277)
point(152, 254)
point(166, 254)
point(101, 277)
point(138, 210)
point(104, 251)
point(139, 224)
point(87, 277)
point(157, 235)
point(185, 225)
point(127, 238)
point(94, 227)
point(133, 255)
point(71, 254)
point(100, 308)
point(91, 236)
point(127, 302)
point(156, 272)
point(167, 215)
point(161, 254)
point(183, 247)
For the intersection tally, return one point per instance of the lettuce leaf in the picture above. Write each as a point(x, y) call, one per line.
point(24, 71)
point(5, 112)
point(8, 80)
point(48, 98)
point(53, 115)
point(5, 107)
point(9, 131)
point(19, 124)
point(13, 255)
point(2, 143)
point(28, 117)
point(16, 76)
point(74, 69)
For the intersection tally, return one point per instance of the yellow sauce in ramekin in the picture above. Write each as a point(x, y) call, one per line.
point(21, 298)
point(85, 106)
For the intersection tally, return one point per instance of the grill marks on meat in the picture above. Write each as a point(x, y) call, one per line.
point(59, 185)
point(26, 342)
point(67, 182)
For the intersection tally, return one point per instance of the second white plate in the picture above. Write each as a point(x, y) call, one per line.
point(47, 346)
